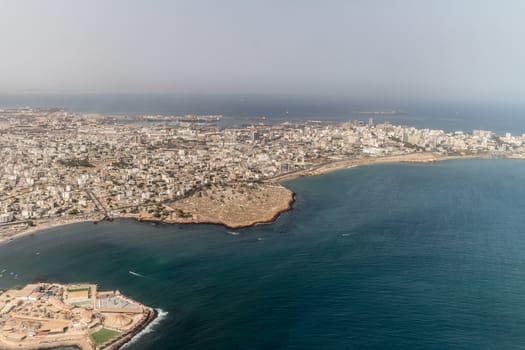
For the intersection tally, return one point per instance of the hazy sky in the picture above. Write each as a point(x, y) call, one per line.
point(386, 48)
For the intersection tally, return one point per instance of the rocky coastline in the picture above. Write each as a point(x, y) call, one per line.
point(237, 205)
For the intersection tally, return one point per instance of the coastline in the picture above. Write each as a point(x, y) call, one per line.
point(232, 206)
point(260, 221)
point(123, 339)
point(45, 225)
point(68, 334)
point(335, 165)
point(268, 217)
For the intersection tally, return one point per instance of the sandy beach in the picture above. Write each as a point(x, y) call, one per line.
point(347, 163)
point(45, 224)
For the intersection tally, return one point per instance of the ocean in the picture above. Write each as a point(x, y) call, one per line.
point(385, 256)
point(241, 110)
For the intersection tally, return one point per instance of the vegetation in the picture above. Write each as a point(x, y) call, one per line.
point(181, 213)
point(76, 163)
point(81, 303)
point(121, 164)
point(103, 335)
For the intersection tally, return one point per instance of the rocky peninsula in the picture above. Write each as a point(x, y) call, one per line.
point(61, 167)
point(49, 315)
point(234, 206)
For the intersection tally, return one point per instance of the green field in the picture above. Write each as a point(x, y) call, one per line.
point(103, 336)
point(81, 303)
point(78, 289)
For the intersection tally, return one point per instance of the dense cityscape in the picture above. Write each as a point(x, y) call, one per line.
point(60, 166)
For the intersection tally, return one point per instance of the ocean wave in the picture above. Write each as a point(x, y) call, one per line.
point(161, 315)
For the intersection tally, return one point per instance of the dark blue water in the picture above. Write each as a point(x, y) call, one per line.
point(239, 110)
point(399, 256)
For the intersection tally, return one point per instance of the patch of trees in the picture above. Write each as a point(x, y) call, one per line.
point(182, 214)
point(76, 163)
point(121, 164)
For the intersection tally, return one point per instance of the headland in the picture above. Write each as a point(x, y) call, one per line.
point(62, 167)
point(234, 206)
point(49, 315)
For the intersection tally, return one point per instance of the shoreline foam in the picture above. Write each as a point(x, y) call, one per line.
point(77, 330)
point(161, 315)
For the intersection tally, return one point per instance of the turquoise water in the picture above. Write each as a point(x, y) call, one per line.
point(393, 256)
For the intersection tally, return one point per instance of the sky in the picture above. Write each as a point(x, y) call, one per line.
point(441, 49)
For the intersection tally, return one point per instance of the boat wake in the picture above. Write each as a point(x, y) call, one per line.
point(136, 274)
point(161, 315)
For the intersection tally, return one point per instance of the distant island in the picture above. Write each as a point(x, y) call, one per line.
point(49, 315)
point(61, 167)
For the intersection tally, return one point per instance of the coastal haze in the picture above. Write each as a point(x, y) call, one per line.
point(261, 175)
point(238, 110)
point(437, 50)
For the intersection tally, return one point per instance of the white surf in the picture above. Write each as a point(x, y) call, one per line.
point(161, 315)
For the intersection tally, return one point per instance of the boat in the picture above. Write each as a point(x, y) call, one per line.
point(135, 273)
